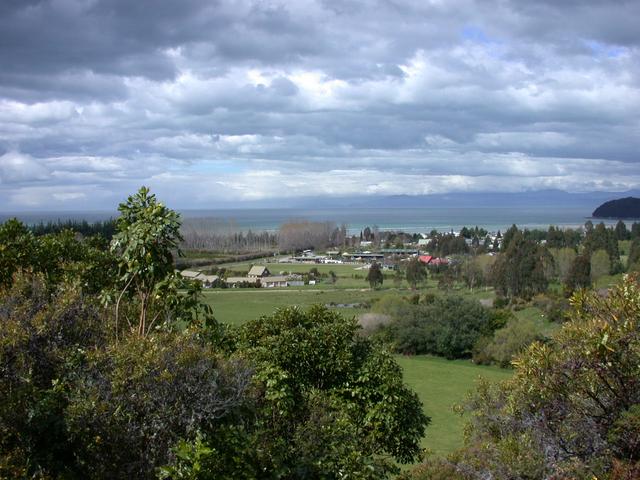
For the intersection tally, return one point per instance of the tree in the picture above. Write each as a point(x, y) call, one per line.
point(633, 261)
point(520, 271)
point(603, 238)
point(448, 326)
point(600, 264)
point(415, 272)
point(579, 275)
point(148, 234)
point(17, 250)
point(58, 256)
point(375, 277)
point(512, 339)
point(75, 405)
point(564, 258)
point(299, 235)
point(508, 236)
point(133, 402)
point(333, 278)
point(43, 340)
point(472, 273)
point(621, 231)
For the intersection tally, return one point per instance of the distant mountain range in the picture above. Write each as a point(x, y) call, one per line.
point(628, 207)
point(550, 198)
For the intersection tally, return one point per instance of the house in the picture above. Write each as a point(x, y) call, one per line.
point(258, 271)
point(439, 261)
point(431, 260)
point(274, 281)
point(190, 274)
point(233, 282)
point(367, 256)
point(426, 259)
point(208, 280)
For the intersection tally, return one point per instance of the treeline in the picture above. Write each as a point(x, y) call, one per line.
point(106, 228)
point(524, 265)
point(295, 236)
point(210, 234)
point(236, 242)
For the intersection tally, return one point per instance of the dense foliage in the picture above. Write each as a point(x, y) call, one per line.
point(520, 271)
point(447, 326)
point(328, 401)
point(105, 229)
point(374, 275)
point(416, 272)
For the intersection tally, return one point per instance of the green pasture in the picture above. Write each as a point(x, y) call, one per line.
point(441, 384)
point(237, 306)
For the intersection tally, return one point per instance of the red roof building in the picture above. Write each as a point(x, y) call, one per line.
point(431, 260)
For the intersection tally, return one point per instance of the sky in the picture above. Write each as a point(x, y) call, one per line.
point(219, 102)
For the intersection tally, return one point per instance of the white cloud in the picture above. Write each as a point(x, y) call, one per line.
point(16, 167)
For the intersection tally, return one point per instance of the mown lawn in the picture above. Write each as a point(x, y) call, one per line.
point(441, 384)
point(237, 306)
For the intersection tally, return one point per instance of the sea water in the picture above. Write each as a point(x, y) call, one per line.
point(410, 219)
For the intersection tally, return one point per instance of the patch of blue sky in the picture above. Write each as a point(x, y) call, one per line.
point(214, 166)
point(600, 49)
point(475, 34)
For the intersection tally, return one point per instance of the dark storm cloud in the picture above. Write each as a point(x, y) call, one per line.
point(247, 97)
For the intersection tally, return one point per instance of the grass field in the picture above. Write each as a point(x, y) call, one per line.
point(440, 384)
point(237, 306)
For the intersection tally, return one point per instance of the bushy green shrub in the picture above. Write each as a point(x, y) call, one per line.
point(43, 341)
point(449, 326)
point(331, 403)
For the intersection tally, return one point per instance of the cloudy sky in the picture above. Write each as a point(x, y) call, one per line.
point(217, 101)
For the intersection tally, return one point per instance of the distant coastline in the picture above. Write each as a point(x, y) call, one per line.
point(407, 219)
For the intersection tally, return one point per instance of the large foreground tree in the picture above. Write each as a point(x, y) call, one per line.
point(148, 235)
